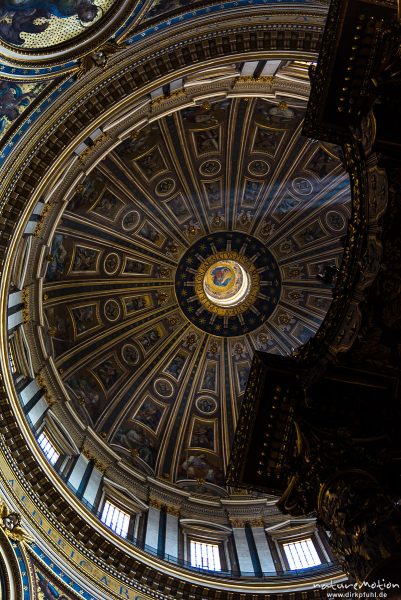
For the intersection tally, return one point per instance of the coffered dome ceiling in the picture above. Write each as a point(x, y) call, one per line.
point(193, 243)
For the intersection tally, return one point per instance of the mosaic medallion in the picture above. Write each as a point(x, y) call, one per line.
point(227, 283)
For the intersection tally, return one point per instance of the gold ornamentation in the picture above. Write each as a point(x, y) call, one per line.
point(257, 522)
point(217, 221)
point(253, 279)
point(90, 149)
point(284, 319)
point(190, 340)
point(180, 93)
point(214, 347)
point(42, 383)
point(192, 229)
point(173, 510)
point(10, 522)
point(249, 79)
point(98, 58)
point(165, 273)
point(240, 492)
point(100, 466)
point(25, 302)
point(237, 523)
point(48, 207)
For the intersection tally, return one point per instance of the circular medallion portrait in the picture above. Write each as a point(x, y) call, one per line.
point(206, 405)
point(163, 388)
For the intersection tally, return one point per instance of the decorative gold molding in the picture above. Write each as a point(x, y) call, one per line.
point(237, 523)
point(173, 510)
point(48, 207)
point(259, 522)
point(25, 309)
point(88, 453)
point(90, 149)
point(168, 98)
point(155, 503)
point(246, 80)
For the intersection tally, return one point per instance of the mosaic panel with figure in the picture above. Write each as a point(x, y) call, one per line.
point(267, 141)
point(15, 97)
point(59, 257)
point(136, 267)
point(152, 163)
point(322, 162)
point(150, 414)
point(109, 372)
point(209, 380)
point(108, 205)
point(85, 318)
point(279, 115)
point(134, 304)
point(177, 364)
point(152, 337)
point(88, 395)
point(201, 466)
point(203, 434)
point(138, 443)
point(85, 259)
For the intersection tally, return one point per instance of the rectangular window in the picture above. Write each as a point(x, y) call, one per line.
point(48, 449)
point(116, 519)
point(205, 556)
point(302, 554)
point(12, 363)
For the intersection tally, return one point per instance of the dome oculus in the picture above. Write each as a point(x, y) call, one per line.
point(227, 282)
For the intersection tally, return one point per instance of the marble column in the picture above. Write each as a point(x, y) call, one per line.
point(92, 487)
point(78, 473)
point(152, 527)
point(171, 546)
point(243, 553)
point(262, 547)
